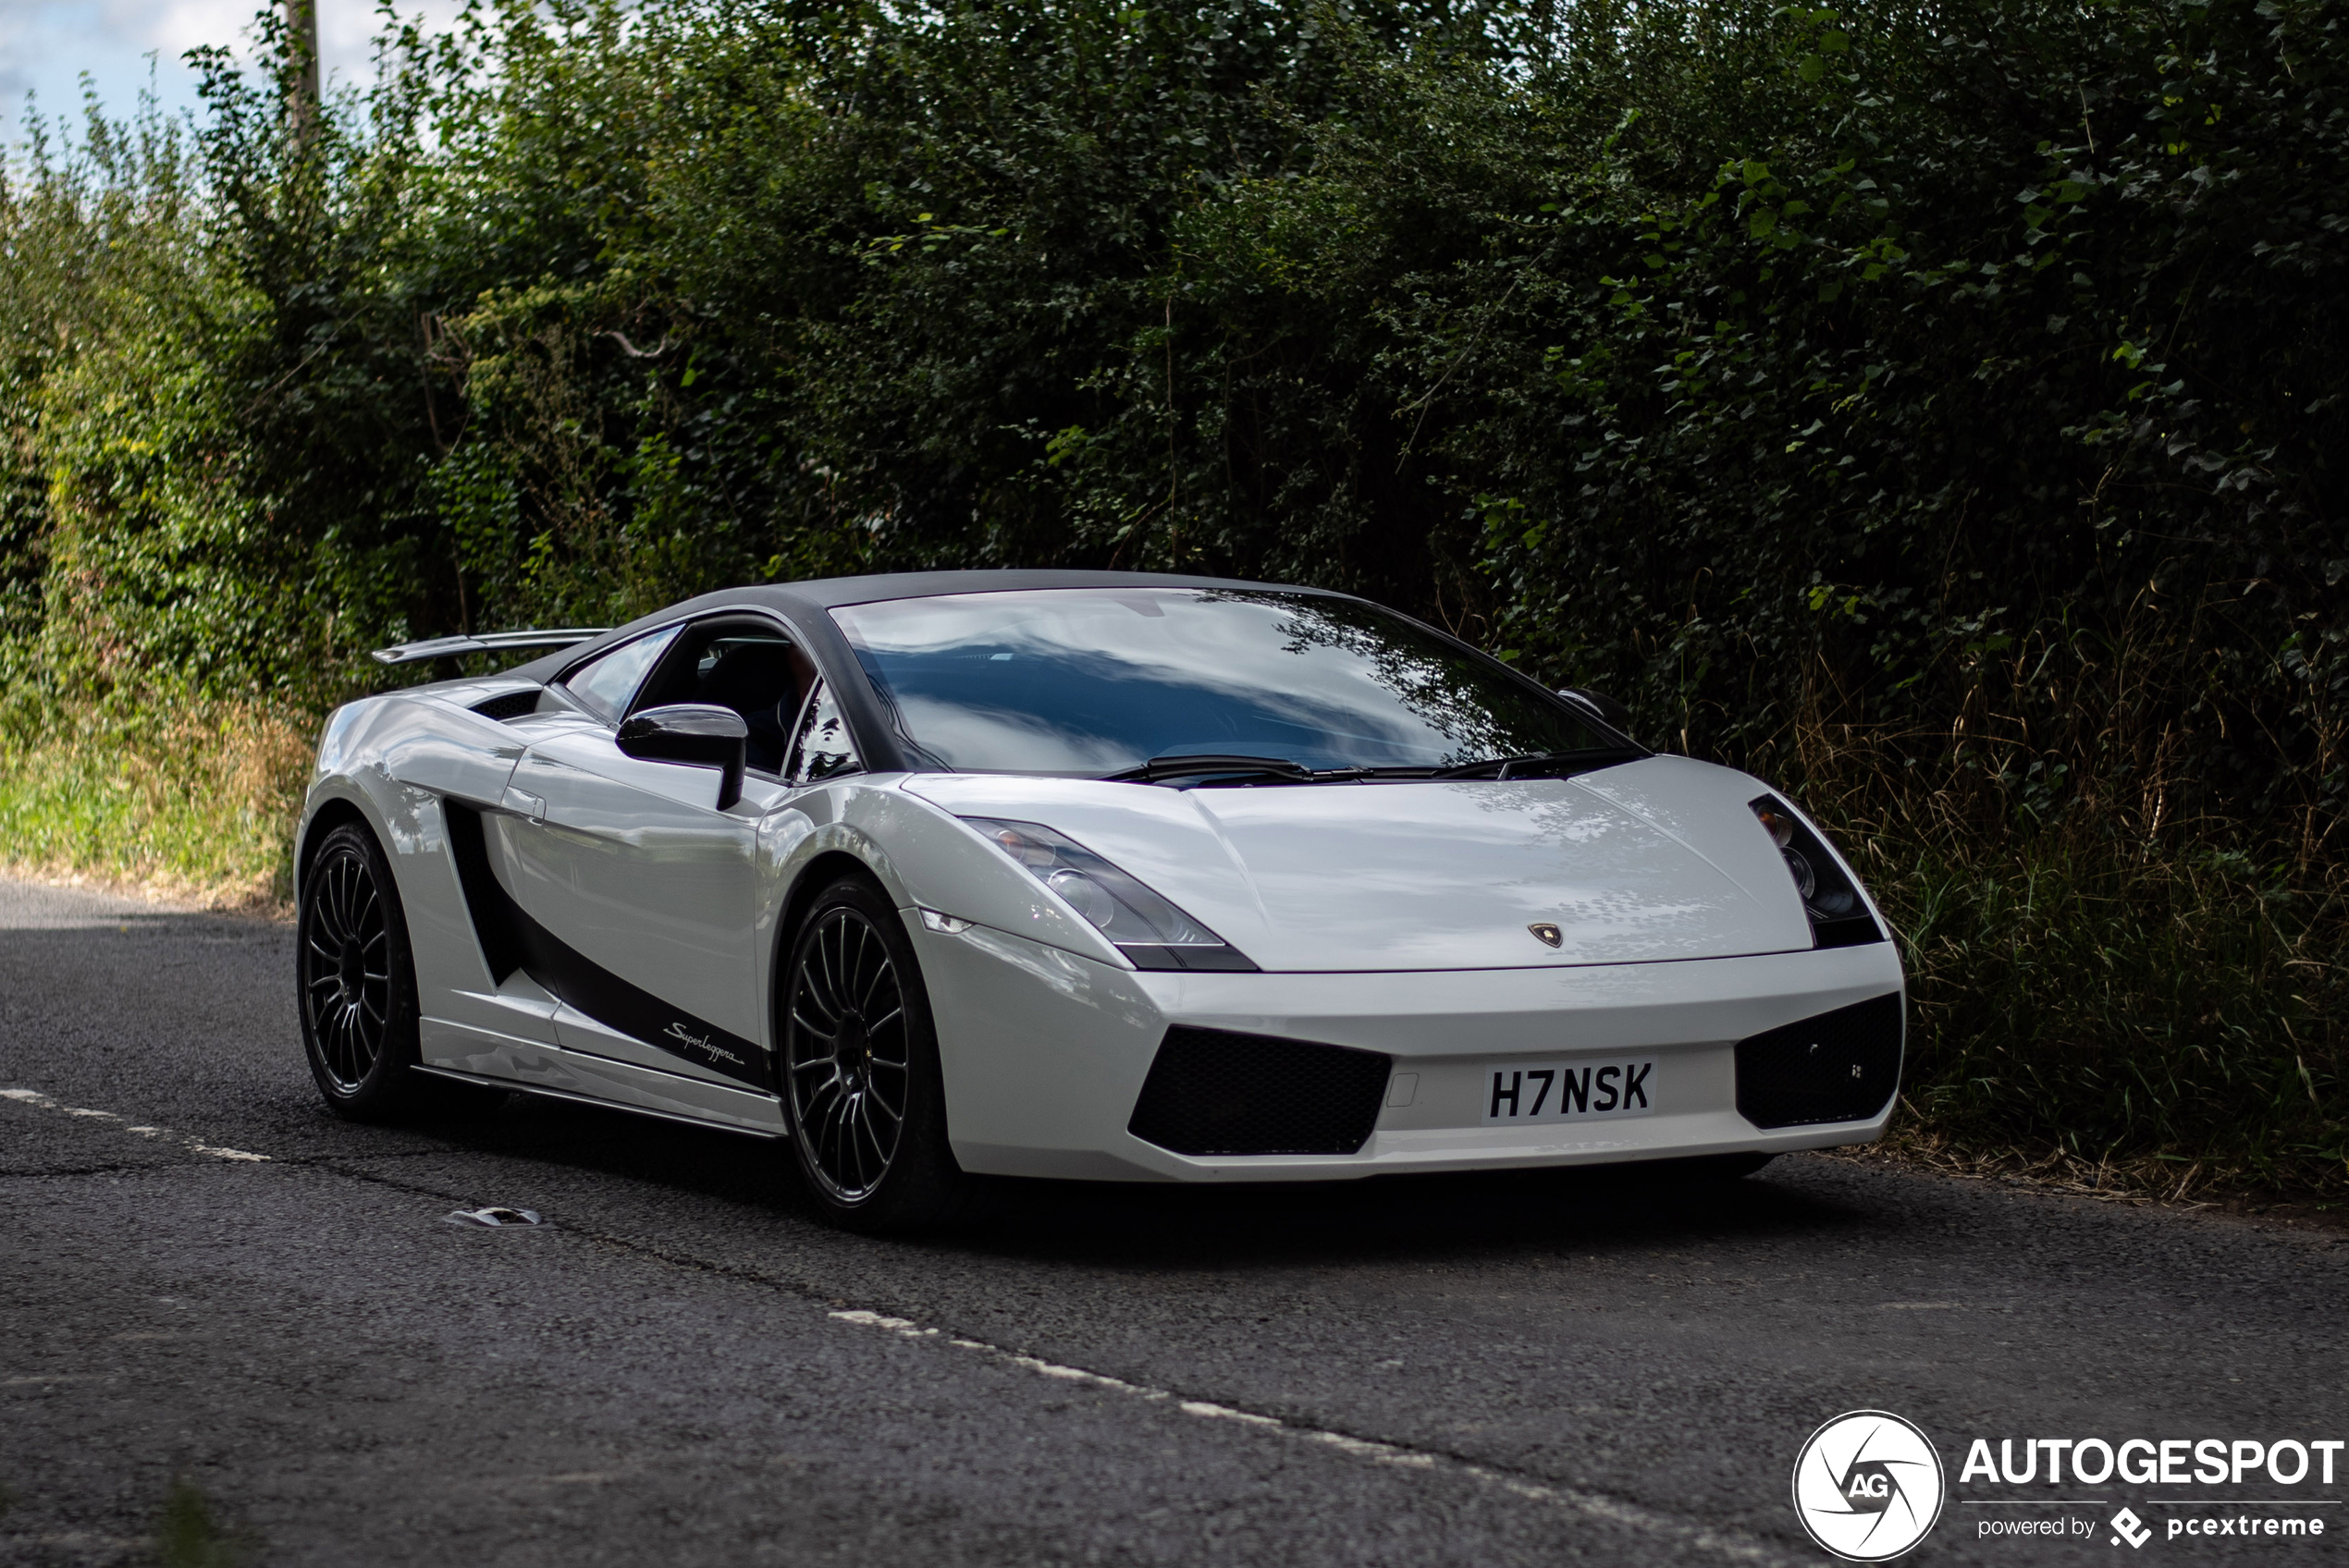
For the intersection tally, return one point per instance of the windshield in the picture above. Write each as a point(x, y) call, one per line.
point(1094, 680)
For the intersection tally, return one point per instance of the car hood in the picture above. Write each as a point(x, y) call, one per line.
point(1655, 860)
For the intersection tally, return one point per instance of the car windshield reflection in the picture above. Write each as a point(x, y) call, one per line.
point(1092, 681)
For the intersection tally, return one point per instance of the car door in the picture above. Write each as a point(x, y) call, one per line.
point(641, 890)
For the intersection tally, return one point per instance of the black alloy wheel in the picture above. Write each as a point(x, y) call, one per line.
point(356, 981)
point(861, 1084)
point(346, 967)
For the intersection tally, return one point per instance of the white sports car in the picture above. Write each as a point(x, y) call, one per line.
point(1090, 874)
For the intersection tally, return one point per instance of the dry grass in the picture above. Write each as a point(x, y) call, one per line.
point(195, 808)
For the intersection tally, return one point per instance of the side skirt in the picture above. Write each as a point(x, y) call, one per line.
point(543, 1091)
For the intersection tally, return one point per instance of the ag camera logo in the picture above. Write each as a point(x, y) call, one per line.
point(1868, 1485)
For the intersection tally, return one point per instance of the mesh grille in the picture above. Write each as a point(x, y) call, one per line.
point(1211, 1092)
point(509, 704)
point(1841, 1066)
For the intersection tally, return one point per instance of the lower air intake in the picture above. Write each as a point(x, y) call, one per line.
point(1841, 1066)
point(1213, 1092)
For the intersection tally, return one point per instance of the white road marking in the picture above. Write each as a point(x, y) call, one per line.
point(39, 1101)
point(1737, 1547)
point(1718, 1543)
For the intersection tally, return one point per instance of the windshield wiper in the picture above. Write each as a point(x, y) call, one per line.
point(1159, 768)
point(1552, 764)
point(1542, 765)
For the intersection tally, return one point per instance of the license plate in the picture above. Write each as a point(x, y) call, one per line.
point(1584, 1091)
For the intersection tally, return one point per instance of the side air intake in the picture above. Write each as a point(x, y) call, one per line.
point(509, 704)
point(1839, 1066)
point(1213, 1091)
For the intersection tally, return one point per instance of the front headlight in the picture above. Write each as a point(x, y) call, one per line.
point(1149, 931)
point(1838, 917)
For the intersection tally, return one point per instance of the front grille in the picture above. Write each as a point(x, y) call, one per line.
point(509, 704)
point(1213, 1092)
point(1841, 1066)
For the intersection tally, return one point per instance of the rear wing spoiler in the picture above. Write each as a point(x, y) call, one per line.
point(487, 642)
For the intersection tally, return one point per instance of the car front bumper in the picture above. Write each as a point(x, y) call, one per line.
point(1045, 1054)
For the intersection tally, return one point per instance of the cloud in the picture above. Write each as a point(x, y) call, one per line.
point(46, 45)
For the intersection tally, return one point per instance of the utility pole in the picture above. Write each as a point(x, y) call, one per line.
point(301, 30)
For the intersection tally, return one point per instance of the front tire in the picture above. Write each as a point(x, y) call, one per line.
point(862, 1090)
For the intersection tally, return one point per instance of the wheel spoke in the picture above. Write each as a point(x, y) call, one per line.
point(841, 975)
point(854, 1136)
point(834, 1126)
point(337, 898)
point(827, 961)
point(856, 974)
point(829, 954)
point(812, 992)
point(877, 975)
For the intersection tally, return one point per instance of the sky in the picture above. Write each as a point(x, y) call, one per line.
point(46, 46)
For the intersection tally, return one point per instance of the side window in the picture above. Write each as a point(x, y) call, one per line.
point(748, 666)
point(605, 683)
point(822, 747)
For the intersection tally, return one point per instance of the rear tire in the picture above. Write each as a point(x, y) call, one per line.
point(356, 980)
point(359, 1030)
point(861, 1091)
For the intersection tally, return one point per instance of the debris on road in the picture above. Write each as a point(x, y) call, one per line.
point(493, 1215)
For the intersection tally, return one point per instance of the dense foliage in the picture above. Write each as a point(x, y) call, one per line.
point(1939, 404)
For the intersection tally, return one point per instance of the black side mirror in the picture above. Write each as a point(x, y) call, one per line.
point(1614, 715)
point(692, 732)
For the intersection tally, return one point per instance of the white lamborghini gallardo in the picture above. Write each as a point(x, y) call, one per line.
point(1099, 876)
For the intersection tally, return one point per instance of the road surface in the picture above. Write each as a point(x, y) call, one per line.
point(682, 1367)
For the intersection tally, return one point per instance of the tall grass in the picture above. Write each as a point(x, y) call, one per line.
point(194, 803)
point(2097, 980)
point(2120, 1009)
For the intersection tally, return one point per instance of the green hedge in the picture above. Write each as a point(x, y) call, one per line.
point(1938, 406)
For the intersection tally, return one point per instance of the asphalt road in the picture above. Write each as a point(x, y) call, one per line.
point(683, 1368)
